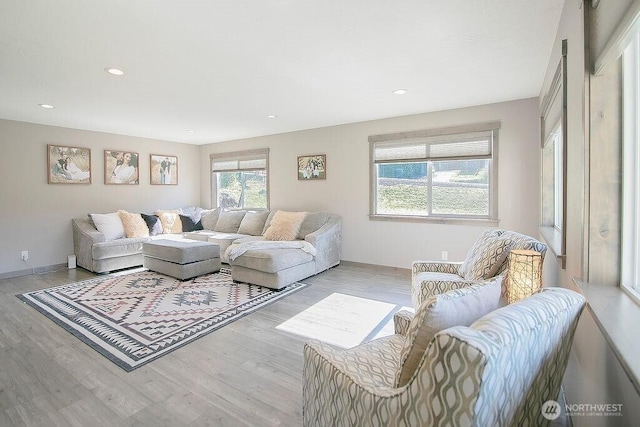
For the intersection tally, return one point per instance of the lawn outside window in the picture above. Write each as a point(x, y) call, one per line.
point(446, 174)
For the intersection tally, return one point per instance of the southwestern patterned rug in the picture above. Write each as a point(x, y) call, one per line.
point(135, 318)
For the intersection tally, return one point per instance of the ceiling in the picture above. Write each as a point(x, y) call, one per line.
point(219, 67)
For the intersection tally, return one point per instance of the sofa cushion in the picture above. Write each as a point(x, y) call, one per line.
point(134, 225)
point(180, 251)
point(229, 221)
point(109, 224)
point(209, 218)
point(312, 222)
point(170, 220)
point(284, 225)
point(153, 223)
point(272, 260)
point(458, 307)
point(486, 256)
point(253, 223)
point(224, 240)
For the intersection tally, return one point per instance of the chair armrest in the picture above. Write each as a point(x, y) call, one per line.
point(435, 267)
point(401, 321)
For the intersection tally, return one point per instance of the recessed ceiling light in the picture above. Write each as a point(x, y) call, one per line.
point(272, 116)
point(400, 91)
point(48, 106)
point(191, 131)
point(114, 71)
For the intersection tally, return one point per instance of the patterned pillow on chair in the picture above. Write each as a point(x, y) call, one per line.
point(459, 307)
point(486, 256)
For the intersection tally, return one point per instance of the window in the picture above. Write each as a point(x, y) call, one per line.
point(552, 157)
point(630, 273)
point(240, 180)
point(553, 122)
point(436, 173)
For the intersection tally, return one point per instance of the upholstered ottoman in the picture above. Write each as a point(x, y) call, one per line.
point(182, 259)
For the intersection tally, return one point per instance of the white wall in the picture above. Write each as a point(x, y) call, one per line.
point(346, 189)
point(36, 216)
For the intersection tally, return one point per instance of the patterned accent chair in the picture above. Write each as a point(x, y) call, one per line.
point(487, 258)
point(497, 372)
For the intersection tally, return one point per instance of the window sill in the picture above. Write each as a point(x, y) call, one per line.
point(436, 220)
point(615, 312)
point(553, 238)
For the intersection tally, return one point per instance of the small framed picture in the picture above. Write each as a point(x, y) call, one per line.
point(312, 167)
point(68, 165)
point(164, 169)
point(121, 167)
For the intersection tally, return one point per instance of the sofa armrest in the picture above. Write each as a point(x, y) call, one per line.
point(85, 236)
point(327, 240)
point(401, 321)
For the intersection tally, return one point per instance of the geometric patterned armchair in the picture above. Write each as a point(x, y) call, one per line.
point(486, 259)
point(497, 372)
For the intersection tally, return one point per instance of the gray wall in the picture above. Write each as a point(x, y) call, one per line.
point(36, 216)
point(346, 189)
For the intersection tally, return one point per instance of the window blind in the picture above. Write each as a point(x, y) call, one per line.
point(470, 145)
point(240, 161)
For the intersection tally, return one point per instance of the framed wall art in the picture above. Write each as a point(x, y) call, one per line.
point(164, 169)
point(68, 165)
point(312, 167)
point(121, 167)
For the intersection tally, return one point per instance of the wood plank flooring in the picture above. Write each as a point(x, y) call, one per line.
point(248, 373)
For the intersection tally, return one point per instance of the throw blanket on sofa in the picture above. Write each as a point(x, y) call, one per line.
point(235, 250)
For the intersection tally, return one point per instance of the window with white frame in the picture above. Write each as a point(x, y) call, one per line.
point(630, 274)
point(240, 179)
point(436, 173)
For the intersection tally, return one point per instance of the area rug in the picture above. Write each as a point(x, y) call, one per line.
point(135, 318)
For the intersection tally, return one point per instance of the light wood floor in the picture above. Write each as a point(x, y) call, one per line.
point(247, 373)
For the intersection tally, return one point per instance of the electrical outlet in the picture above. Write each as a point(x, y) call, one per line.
point(445, 255)
point(25, 255)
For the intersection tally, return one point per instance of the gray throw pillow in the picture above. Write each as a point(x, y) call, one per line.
point(253, 223)
point(229, 221)
point(209, 218)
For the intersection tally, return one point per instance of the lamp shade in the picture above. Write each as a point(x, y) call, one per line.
point(525, 274)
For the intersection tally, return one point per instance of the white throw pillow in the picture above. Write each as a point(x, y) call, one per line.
point(458, 307)
point(109, 224)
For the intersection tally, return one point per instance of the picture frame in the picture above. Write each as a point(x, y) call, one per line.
point(121, 167)
point(312, 167)
point(163, 169)
point(68, 164)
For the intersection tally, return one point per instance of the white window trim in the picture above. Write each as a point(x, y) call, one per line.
point(630, 270)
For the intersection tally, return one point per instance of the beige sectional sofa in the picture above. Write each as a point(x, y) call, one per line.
point(315, 246)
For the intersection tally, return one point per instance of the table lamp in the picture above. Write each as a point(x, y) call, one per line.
point(525, 274)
